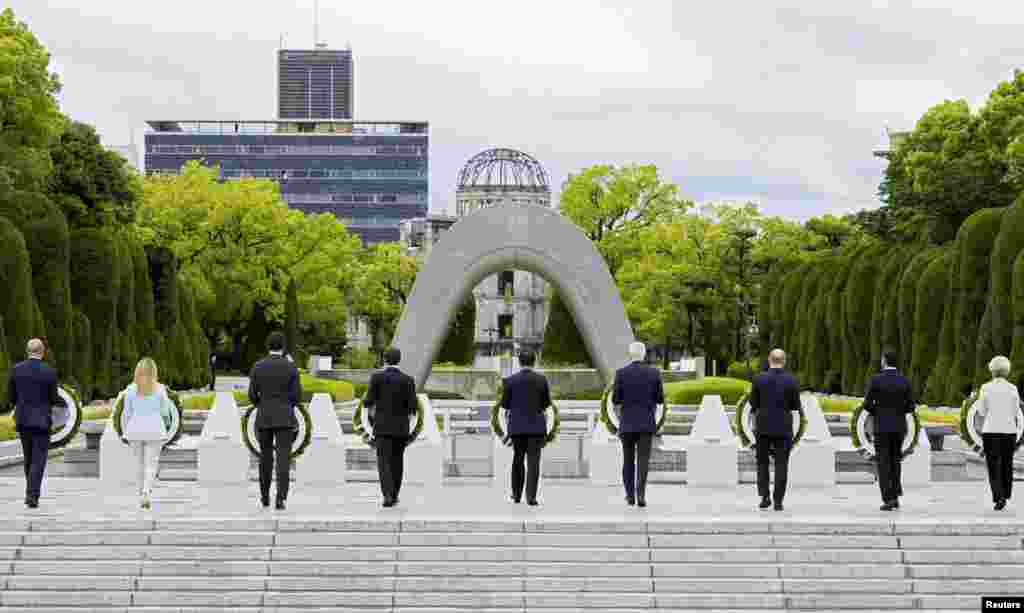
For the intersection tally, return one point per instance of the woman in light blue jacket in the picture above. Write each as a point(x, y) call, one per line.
point(147, 419)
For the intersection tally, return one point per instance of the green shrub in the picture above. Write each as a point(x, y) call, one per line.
point(341, 391)
point(145, 319)
point(1017, 355)
point(16, 299)
point(440, 395)
point(835, 324)
point(95, 287)
point(932, 292)
point(906, 308)
point(563, 343)
point(359, 358)
point(81, 333)
point(976, 240)
point(5, 367)
point(859, 304)
point(594, 394)
point(837, 405)
point(1008, 245)
point(691, 392)
point(458, 345)
point(256, 333)
point(885, 331)
point(747, 371)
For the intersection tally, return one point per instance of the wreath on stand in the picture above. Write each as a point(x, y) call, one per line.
point(743, 424)
point(302, 438)
point(611, 423)
point(500, 429)
point(67, 419)
point(364, 430)
point(177, 417)
point(969, 431)
point(863, 438)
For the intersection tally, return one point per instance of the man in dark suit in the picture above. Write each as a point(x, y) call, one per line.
point(636, 394)
point(889, 399)
point(33, 393)
point(524, 397)
point(213, 370)
point(275, 389)
point(774, 397)
point(390, 401)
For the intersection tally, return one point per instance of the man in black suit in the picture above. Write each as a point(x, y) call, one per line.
point(889, 399)
point(213, 370)
point(524, 397)
point(774, 397)
point(275, 389)
point(33, 393)
point(636, 394)
point(390, 401)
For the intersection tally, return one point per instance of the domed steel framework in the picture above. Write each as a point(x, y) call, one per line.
point(503, 169)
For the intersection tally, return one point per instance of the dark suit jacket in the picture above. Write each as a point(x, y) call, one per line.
point(33, 392)
point(773, 398)
point(526, 395)
point(889, 398)
point(393, 393)
point(274, 388)
point(639, 391)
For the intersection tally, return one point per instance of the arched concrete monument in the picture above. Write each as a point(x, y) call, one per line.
point(521, 237)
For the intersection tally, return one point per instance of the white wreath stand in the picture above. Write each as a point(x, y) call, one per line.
point(223, 457)
point(605, 457)
point(712, 458)
point(812, 462)
point(917, 468)
point(117, 462)
point(424, 457)
point(323, 461)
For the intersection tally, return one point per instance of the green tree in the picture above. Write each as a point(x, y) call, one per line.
point(30, 119)
point(95, 287)
point(17, 301)
point(382, 285)
point(831, 230)
point(459, 344)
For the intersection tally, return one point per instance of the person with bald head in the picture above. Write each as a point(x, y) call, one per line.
point(33, 393)
point(636, 394)
point(774, 396)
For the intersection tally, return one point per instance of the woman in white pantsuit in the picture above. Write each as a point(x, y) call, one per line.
point(147, 418)
point(1000, 407)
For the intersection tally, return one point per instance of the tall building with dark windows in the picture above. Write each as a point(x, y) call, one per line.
point(370, 174)
point(315, 84)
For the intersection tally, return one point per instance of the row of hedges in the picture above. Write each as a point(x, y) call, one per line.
point(92, 294)
point(945, 310)
point(691, 392)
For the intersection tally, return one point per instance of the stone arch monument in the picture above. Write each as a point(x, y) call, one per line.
point(523, 237)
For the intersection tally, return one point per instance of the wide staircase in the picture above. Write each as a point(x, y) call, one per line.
point(278, 564)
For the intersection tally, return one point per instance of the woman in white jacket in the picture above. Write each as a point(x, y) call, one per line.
point(147, 418)
point(999, 405)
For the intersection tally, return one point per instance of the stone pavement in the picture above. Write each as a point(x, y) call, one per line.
point(477, 500)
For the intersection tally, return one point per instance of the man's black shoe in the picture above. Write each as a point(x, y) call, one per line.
point(1000, 505)
point(889, 506)
point(515, 500)
point(532, 503)
point(641, 502)
point(279, 505)
point(765, 503)
point(630, 500)
point(778, 506)
point(32, 504)
point(264, 502)
point(389, 502)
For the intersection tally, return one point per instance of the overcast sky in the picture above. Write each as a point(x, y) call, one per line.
point(778, 103)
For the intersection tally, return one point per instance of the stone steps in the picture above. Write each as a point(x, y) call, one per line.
point(265, 564)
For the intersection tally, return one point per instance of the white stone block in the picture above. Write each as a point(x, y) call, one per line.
point(502, 466)
point(605, 460)
point(117, 463)
point(711, 450)
point(323, 462)
point(425, 457)
point(917, 467)
point(812, 462)
point(223, 458)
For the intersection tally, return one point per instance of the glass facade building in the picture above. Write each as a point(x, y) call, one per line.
point(315, 84)
point(371, 175)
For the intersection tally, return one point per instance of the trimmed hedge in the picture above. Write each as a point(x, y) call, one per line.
point(145, 319)
point(1008, 245)
point(16, 299)
point(834, 323)
point(746, 372)
point(81, 333)
point(885, 331)
point(907, 307)
point(932, 292)
point(859, 304)
point(563, 343)
point(341, 391)
point(458, 345)
point(5, 367)
point(935, 391)
point(691, 392)
point(975, 242)
point(1017, 355)
point(95, 286)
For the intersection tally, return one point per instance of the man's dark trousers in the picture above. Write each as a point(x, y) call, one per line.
point(999, 458)
point(275, 450)
point(888, 454)
point(526, 446)
point(35, 448)
point(636, 458)
point(390, 463)
point(776, 448)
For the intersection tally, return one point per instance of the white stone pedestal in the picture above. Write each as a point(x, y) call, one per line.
point(605, 458)
point(917, 467)
point(712, 458)
point(502, 463)
point(223, 458)
point(424, 458)
point(323, 462)
point(812, 463)
point(117, 463)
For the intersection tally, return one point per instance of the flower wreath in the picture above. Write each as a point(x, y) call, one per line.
point(863, 440)
point(745, 429)
point(610, 422)
point(66, 420)
point(302, 438)
point(500, 429)
point(363, 429)
point(177, 417)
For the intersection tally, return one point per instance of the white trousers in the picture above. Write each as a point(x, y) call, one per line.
point(147, 460)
